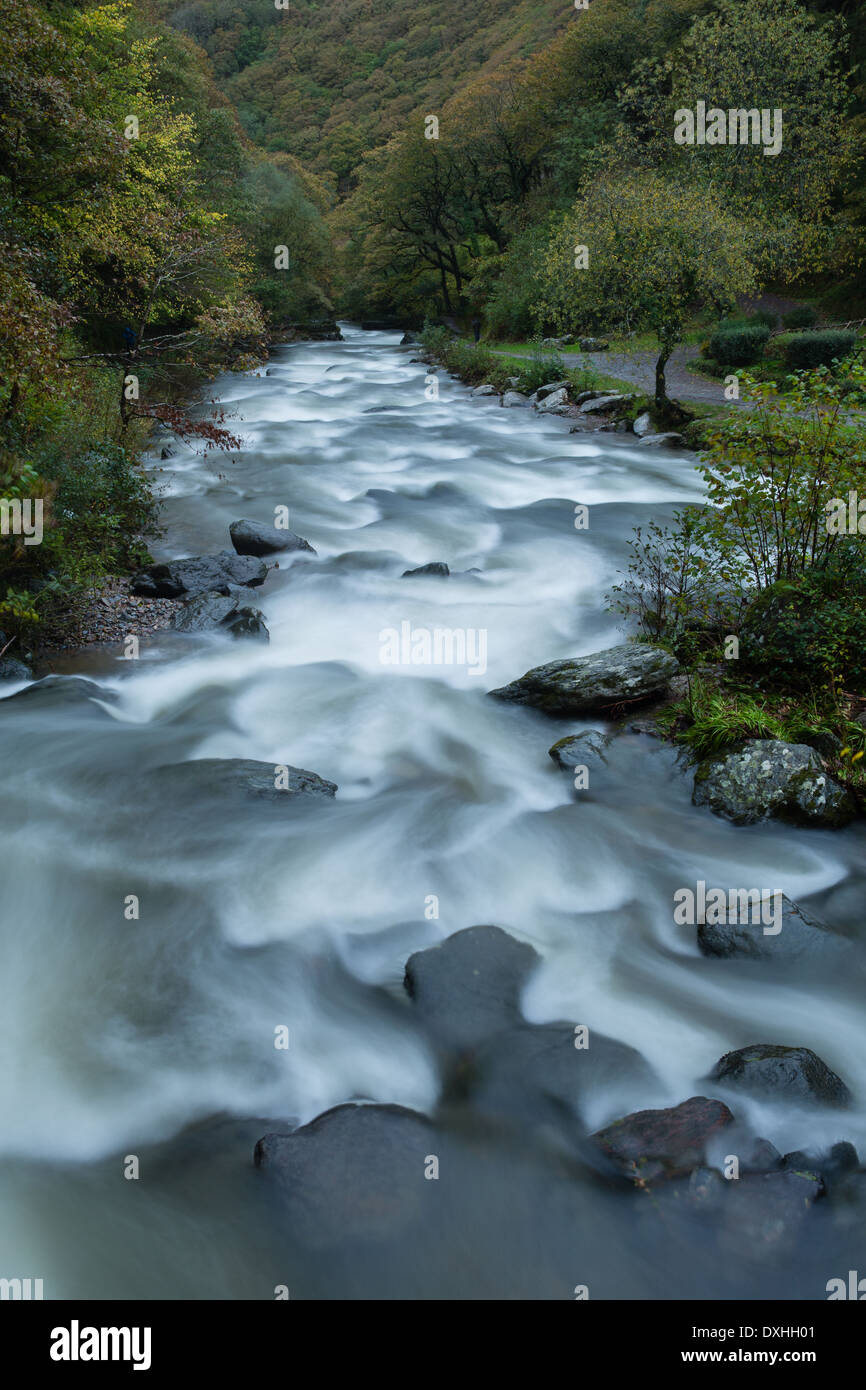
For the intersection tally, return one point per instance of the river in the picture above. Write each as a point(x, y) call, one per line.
point(152, 1038)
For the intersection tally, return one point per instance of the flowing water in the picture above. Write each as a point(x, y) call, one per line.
point(154, 1037)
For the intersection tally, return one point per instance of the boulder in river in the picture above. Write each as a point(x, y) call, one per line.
point(64, 690)
point(436, 567)
point(212, 612)
point(769, 778)
point(468, 987)
point(801, 937)
point(789, 1073)
point(651, 1144)
point(198, 575)
point(254, 538)
point(588, 749)
point(354, 1173)
point(211, 778)
point(11, 669)
point(595, 683)
point(668, 440)
point(514, 398)
point(485, 390)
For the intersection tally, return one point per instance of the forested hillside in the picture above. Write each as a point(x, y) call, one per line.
point(480, 217)
point(138, 229)
point(328, 81)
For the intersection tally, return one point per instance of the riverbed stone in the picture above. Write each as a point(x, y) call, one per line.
point(788, 1073)
point(469, 986)
point(11, 669)
point(514, 398)
point(355, 1172)
point(556, 402)
point(769, 778)
point(600, 404)
point(199, 574)
point(437, 568)
point(802, 938)
point(244, 778)
point(651, 1144)
point(255, 538)
point(595, 683)
point(486, 390)
point(588, 749)
point(212, 612)
point(669, 440)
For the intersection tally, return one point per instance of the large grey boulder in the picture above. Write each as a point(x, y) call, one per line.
point(552, 386)
point(254, 538)
point(485, 390)
point(229, 613)
point(791, 1073)
point(198, 575)
point(514, 398)
point(594, 683)
point(769, 778)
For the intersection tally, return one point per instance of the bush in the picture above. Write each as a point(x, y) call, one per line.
point(739, 346)
point(804, 351)
point(801, 317)
point(811, 632)
point(764, 318)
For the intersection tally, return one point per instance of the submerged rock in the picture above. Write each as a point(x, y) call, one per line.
point(594, 683)
point(241, 777)
point(769, 778)
point(436, 567)
point(198, 575)
point(802, 937)
point(354, 1173)
point(63, 690)
point(787, 1072)
point(669, 440)
point(468, 987)
point(652, 1144)
point(221, 612)
point(588, 749)
point(254, 538)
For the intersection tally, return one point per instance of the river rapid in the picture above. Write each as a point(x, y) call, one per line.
point(153, 1038)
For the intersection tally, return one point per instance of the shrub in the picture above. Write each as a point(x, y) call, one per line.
point(739, 346)
point(764, 318)
point(818, 348)
point(810, 632)
point(801, 317)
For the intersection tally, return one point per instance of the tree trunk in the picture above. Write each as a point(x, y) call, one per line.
point(663, 405)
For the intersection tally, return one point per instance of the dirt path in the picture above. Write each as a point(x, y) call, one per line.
point(639, 369)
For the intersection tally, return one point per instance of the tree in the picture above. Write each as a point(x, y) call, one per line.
point(653, 251)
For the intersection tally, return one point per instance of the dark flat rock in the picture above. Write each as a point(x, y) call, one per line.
point(469, 986)
point(652, 1144)
point(199, 574)
point(255, 538)
point(791, 1073)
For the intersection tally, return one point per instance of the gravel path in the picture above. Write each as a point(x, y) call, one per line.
point(639, 368)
